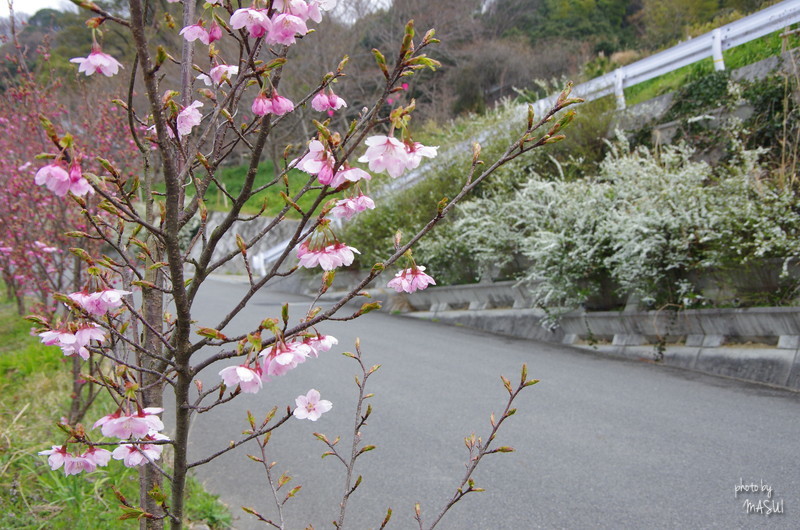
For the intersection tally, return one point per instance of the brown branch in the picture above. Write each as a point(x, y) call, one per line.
point(234, 445)
point(478, 449)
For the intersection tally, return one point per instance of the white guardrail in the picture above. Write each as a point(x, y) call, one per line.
point(712, 44)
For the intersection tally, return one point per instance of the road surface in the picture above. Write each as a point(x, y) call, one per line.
point(601, 442)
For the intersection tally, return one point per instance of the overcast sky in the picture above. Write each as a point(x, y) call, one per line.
point(32, 6)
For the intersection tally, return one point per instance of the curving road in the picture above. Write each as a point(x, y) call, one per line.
point(601, 443)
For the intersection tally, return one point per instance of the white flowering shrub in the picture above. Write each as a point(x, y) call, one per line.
point(647, 223)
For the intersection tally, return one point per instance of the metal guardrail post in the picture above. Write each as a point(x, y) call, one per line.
point(716, 50)
point(619, 88)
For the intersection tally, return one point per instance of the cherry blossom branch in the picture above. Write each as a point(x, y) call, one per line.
point(477, 449)
point(91, 6)
point(130, 111)
point(20, 53)
point(282, 481)
point(261, 431)
point(355, 449)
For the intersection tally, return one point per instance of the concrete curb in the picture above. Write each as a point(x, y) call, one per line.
point(751, 362)
point(703, 349)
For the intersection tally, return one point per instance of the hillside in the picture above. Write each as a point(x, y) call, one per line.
point(489, 47)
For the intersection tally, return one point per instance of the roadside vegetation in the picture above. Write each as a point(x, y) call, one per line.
point(35, 384)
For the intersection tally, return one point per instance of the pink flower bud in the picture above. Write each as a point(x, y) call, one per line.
point(214, 32)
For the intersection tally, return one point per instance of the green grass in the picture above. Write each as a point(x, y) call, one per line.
point(34, 393)
point(748, 53)
point(233, 177)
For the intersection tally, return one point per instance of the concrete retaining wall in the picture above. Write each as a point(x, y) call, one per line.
point(247, 230)
point(779, 326)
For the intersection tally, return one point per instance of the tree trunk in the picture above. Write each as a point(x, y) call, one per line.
point(152, 389)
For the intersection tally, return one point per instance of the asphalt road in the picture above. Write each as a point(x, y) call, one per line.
point(601, 442)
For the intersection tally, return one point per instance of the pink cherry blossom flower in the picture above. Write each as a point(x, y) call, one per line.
point(284, 29)
point(310, 406)
point(100, 302)
point(280, 104)
point(88, 461)
point(410, 280)
point(316, 6)
point(45, 247)
point(320, 343)
point(297, 8)
point(291, 353)
point(75, 464)
point(52, 337)
point(347, 208)
point(214, 32)
point(137, 425)
point(83, 336)
point(107, 418)
point(349, 174)
point(133, 455)
point(272, 368)
point(262, 105)
point(329, 257)
point(78, 185)
point(188, 118)
point(283, 357)
point(196, 32)
point(248, 379)
point(57, 456)
point(386, 153)
point(74, 343)
point(327, 102)
point(100, 457)
point(318, 161)
point(97, 61)
point(55, 178)
point(255, 20)
point(218, 74)
point(416, 151)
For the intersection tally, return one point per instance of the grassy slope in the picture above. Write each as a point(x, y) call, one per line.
point(748, 53)
point(34, 391)
point(232, 178)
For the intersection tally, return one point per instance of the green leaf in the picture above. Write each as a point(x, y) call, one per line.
point(129, 512)
point(369, 306)
point(211, 333)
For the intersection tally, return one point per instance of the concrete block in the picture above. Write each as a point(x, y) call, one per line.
point(477, 305)
point(713, 341)
point(632, 304)
point(628, 340)
point(569, 338)
point(694, 340)
point(793, 381)
point(681, 356)
point(789, 342)
point(767, 365)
